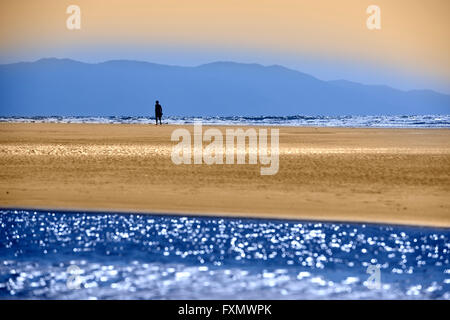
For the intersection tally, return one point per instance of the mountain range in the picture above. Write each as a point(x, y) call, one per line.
point(121, 87)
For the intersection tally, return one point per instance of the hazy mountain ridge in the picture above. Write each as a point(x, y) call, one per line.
point(126, 87)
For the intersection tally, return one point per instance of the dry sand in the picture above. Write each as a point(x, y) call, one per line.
point(368, 175)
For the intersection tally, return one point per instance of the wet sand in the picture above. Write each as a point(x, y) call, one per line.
point(399, 176)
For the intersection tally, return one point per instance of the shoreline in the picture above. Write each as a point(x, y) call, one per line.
point(426, 121)
point(224, 215)
point(339, 174)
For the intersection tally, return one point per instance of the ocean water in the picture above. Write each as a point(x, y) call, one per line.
point(381, 121)
point(76, 255)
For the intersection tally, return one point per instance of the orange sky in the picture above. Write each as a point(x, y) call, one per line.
point(414, 35)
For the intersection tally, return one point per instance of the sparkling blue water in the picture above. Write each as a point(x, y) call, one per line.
point(378, 121)
point(75, 255)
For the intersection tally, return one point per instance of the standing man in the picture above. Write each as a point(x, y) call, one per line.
point(158, 112)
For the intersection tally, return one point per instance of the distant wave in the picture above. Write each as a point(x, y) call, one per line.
point(380, 121)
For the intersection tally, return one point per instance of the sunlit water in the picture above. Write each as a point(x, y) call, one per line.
point(373, 121)
point(72, 255)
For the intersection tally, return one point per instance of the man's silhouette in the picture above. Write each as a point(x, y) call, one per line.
point(158, 112)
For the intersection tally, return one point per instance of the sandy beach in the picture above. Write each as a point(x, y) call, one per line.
point(399, 176)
